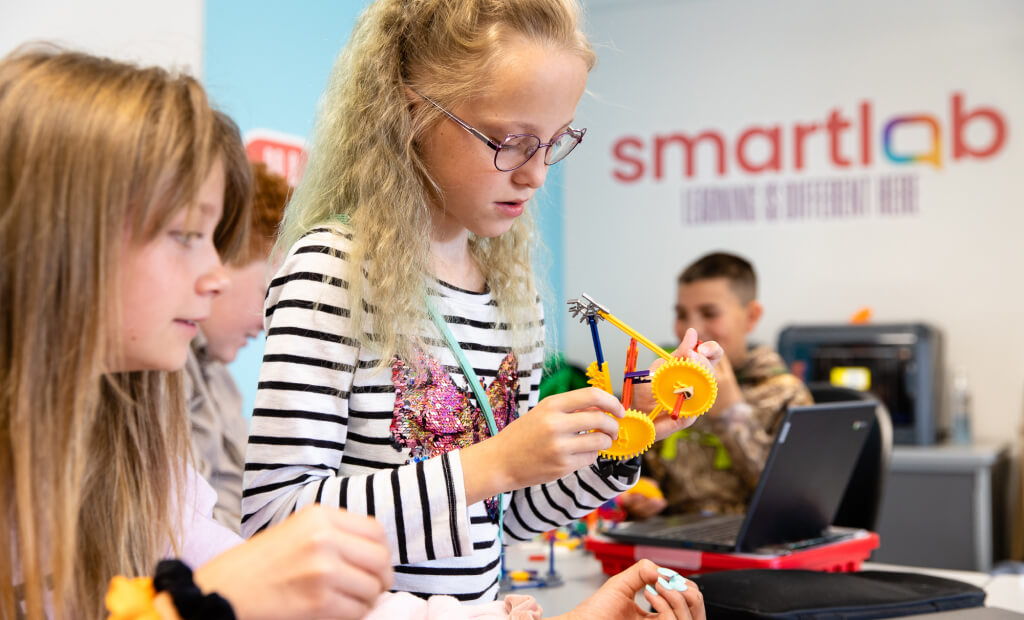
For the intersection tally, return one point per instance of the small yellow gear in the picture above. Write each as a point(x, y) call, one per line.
point(677, 375)
point(598, 377)
point(636, 434)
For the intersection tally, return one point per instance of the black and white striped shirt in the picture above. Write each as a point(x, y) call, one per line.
point(324, 430)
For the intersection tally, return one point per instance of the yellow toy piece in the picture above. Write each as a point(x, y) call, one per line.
point(599, 377)
point(645, 487)
point(683, 376)
point(636, 435)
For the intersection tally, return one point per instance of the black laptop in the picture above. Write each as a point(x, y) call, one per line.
point(796, 498)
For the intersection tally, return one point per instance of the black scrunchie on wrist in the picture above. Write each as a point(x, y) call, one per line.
point(175, 578)
point(608, 467)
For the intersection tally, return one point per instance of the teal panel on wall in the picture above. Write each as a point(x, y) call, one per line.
point(266, 65)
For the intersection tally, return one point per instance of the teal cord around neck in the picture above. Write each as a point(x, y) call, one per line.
point(482, 401)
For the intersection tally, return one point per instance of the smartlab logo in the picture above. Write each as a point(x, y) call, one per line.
point(843, 141)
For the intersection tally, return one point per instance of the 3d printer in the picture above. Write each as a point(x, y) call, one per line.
point(901, 364)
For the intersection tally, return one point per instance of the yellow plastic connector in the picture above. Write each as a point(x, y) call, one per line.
point(688, 378)
point(636, 435)
point(599, 377)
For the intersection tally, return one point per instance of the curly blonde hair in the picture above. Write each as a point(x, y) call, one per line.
point(364, 167)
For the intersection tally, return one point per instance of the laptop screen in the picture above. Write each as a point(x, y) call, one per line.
point(806, 473)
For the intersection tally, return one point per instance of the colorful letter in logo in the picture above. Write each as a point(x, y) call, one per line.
point(932, 156)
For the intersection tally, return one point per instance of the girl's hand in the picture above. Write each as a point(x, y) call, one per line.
point(710, 354)
point(548, 442)
point(319, 563)
point(616, 598)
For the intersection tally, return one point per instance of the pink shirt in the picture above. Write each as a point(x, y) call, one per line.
point(203, 539)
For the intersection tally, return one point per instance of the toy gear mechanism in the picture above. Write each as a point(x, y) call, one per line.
point(636, 435)
point(636, 430)
point(681, 386)
point(684, 387)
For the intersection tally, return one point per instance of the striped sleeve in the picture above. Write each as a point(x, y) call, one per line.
point(540, 508)
point(312, 385)
point(537, 509)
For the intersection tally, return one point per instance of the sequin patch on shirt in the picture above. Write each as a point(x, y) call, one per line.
point(433, 415)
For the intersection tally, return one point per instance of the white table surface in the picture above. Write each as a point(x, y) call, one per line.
point(582, 576)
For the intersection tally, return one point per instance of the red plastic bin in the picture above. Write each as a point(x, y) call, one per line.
point(840, 556)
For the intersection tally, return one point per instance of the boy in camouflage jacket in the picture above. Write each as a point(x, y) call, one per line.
point(714, 465)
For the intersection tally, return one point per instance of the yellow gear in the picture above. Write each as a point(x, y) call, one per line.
point(636, 434)
point(598, 377)
point(680, 374)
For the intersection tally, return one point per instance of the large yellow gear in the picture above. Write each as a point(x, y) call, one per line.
point(636, 434)
point(684, 375)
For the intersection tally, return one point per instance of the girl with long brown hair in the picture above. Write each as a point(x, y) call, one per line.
point(120, 191)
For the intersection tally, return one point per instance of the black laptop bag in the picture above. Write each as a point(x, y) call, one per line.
point(806, 594)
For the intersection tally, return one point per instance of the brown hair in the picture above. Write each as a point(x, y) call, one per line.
point(365, 167)
point(270, 194)
point(90, 149)
point(738, 271)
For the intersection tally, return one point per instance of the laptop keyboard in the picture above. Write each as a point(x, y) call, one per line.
point(720, 530)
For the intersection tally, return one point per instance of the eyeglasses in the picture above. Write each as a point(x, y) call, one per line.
point(517, 148)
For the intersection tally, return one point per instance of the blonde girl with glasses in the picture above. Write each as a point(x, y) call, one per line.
point(120, 192)
point(407, 271)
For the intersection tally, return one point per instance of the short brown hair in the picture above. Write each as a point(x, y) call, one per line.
point(270, 192)
point(737, 270)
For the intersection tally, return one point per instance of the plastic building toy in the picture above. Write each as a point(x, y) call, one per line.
point(530, 578)
point(680, 386)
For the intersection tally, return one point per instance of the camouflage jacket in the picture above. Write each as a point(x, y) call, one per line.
point(714, 465)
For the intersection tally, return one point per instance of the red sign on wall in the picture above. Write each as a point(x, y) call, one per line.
point(283, 153)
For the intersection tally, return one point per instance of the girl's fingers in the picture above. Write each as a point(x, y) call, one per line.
point(638, 575)
point(659, 604)
point(366, 556)
point(584, 398)
point(681, 595)
point(695, 602)
point(350, 582)
point(582, 421)
point(673, 601)
point(590, 443)
point(357, 524)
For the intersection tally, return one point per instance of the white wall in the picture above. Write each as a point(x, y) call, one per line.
point(686, 67)
point(726, 65)
point(161, 33)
